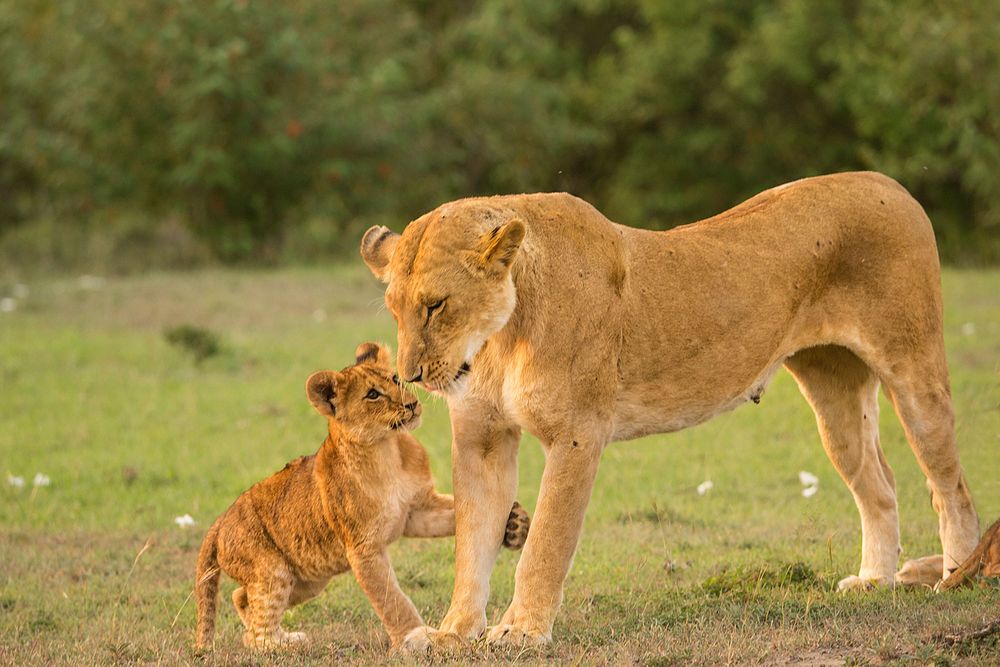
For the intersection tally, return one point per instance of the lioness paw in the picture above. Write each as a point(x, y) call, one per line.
point(924, 571)
point(855, 583)
point(518, 523)
point(424, 638)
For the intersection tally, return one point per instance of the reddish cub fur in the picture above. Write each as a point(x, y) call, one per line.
point(337, 510)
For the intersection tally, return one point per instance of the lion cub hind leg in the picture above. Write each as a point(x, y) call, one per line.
point(843, 392)
point(267, 601)
point(241, 603)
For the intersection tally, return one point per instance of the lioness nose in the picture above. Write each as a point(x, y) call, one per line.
point(418, 377)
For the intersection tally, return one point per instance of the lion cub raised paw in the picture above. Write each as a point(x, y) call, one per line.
point(517, 527)
point(337, 510)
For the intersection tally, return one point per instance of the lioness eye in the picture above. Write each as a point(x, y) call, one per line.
point(433, 307)
point(372, 394)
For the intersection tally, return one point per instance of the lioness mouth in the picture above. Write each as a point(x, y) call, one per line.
point(462, 370)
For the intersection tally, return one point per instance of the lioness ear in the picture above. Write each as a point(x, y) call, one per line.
point(321, 388)
point(377, 246)
point(498, 247)
point(373, 352)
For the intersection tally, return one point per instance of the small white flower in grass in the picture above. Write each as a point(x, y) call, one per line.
point(41, 480)
point(810, 482)
point(808, 479)
point(319, 315)
point(184, 521)
point(7, 305)
point(16, 482)
point(969, 329)
point(705, 487)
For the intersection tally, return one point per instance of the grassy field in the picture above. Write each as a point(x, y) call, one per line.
point(133, 432)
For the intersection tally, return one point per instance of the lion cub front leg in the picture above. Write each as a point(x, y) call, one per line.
point(401, 619)
point(435, 517)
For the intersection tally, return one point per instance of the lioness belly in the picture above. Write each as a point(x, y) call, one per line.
point(670, 405)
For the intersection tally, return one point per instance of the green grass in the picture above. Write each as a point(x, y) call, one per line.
point(134, 431)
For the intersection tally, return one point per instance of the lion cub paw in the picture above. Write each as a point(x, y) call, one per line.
point(517, 527)
point(276, 640)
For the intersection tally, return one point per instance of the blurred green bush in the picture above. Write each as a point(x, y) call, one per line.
point(277, 131)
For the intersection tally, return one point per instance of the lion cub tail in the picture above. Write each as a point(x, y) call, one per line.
point(206, 588)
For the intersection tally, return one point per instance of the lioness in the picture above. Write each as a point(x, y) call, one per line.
point(536, 312)
point(337, 510)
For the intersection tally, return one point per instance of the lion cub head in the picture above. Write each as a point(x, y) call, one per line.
point(366, 399)
point(453, 294)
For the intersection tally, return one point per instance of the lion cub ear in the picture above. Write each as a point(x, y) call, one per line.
point(377, 246)
point(373, 353)
point(496, 249)
point(321, 388)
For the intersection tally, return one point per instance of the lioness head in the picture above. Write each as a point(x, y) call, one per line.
point(449, 288)
point(367, 399)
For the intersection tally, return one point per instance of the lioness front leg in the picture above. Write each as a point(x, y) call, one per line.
point(567, 482)
point(484, 464)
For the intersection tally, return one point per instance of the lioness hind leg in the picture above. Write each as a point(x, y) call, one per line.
point(920, 394)
point(843, 392)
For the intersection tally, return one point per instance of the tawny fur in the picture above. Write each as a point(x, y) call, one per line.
point(536, 312)
point(925, 572)
point(337, 510)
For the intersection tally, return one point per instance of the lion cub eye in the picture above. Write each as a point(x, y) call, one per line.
point(372, 394)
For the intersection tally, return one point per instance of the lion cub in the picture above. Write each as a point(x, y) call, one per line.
point(337, 510)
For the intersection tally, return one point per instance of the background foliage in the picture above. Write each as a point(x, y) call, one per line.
point(260, 131)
